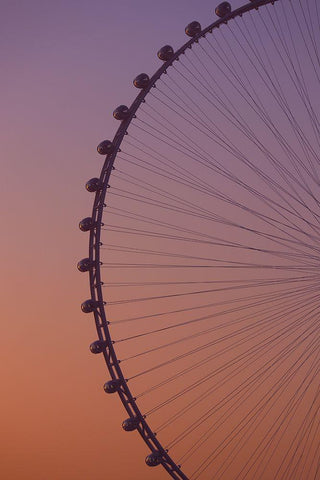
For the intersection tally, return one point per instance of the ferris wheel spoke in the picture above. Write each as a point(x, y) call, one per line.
point(204, 249)
point(246, 424)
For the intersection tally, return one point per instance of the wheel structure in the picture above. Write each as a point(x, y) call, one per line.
point(204, 249)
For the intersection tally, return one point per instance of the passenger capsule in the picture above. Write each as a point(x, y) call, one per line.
point(121, 113)
point(193, 29)
point(141, 81)
point(223, 9)
point(165, 53)
point(93, 185)
point(84, 265)
point(105, 147)
point(130, 424)
point(86, 224)
point(88, 306)
point(153, 459)
point(112, 386)
point(98, 346)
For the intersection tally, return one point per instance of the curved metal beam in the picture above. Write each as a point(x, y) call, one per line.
point(101, 321)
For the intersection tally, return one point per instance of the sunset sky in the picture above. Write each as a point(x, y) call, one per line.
point(65, 66)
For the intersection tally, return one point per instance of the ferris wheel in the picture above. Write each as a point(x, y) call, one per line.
point(204, 249)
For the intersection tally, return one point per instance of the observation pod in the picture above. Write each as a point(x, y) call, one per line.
point(165, 53)
point(84, 265)
point(98, 346)
point(130, 424)
point(223, 9)
point(89, 305)
point(93, 185)
point(141, 81)
point(105, 147)
point(86, 224)
point(121, 113)
point(153, 459)
point(112, 386)
point(193, 29)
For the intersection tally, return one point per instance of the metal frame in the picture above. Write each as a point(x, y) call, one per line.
point(101, 321)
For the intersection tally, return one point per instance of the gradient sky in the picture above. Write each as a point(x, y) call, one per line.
point(65, 66)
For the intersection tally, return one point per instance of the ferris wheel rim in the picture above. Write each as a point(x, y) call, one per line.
point(97, 298)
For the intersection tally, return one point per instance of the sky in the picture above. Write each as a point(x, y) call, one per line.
point(65, 66)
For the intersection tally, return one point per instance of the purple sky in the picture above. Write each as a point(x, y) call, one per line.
point(65, 66)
